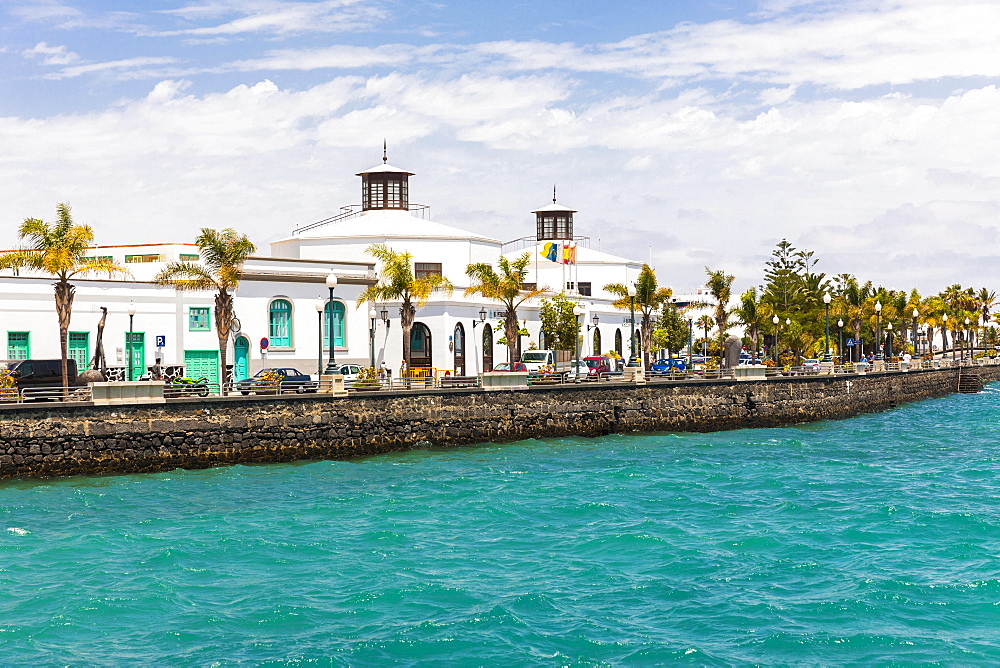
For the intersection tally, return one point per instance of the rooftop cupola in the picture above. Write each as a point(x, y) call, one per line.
point(554, 221)
point(385, 186)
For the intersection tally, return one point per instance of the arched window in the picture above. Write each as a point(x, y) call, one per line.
point(618, 342)
point(279, 323)
point(487, 347)
point(597, 341)
point(339, 314)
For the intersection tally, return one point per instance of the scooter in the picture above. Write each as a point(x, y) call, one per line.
point(184, 385)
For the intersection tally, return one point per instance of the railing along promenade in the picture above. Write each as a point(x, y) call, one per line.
point(431, 379)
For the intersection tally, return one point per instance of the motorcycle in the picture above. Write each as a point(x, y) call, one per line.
point(183, 386)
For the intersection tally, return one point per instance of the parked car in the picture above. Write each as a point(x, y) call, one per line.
point(289, 380)
point(661, 367)
point(349, 372)
point(506, 366)
point(42, 377)
point(810, 366)
point(597, 365)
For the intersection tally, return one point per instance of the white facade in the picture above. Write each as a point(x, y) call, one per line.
point(293, 277)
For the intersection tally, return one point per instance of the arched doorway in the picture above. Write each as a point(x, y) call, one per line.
point(420, 346)
point(487, 348)
point(459, 345)
point(241, 358)
point(638, 345)
point(618, 342)
point(597, 341)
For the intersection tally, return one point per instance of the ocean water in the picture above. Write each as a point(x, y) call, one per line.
point(872, 540)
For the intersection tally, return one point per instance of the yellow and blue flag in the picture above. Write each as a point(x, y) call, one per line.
point(550, 251)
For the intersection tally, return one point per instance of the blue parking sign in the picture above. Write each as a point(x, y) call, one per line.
point(161, 341)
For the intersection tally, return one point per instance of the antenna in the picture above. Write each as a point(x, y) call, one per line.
point(553, 193)
point(385, 156)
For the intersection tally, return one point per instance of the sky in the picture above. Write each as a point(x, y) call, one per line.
point(690, 133)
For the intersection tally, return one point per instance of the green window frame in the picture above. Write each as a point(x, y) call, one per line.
point(279, 323)
point(189, 257)
point(339, 331)
point(199, 319)
point(18, 345)
point(79, 349)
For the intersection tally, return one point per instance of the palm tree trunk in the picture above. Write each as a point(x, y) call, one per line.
point(510, 331)
point(64, 309)
point(406, 320)
point(223, 322)
point(647, 338)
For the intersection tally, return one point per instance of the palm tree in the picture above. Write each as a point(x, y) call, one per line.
point(720, 286)
point(648, 298)
point(504, 287)
point(754, 316)
point(398, 282)
point(59, 249)
point(222, 257)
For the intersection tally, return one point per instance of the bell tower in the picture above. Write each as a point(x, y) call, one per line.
point(554, 222)
point(385, 186)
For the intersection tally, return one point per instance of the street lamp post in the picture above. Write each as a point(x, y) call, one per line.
point(944, 336)
point(889, 328)
point(372, 315)
point(384, 314)
point(878, 331)
point(632, 361)
point(840, 345)
point(777, 328)
point(968, 339)
point(916, 353)
point(331, 283)
point(826, 304)
point(577, 312)
point(320, 307)
point(595, 320)
point(131, 344)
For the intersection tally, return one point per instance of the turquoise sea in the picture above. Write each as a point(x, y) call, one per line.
point(872, 540)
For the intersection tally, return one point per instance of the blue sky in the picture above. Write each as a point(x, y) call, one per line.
point(695, 133)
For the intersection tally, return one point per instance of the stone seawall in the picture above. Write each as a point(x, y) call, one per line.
point(41, 440)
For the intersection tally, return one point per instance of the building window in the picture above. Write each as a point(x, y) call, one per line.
point(279, 319)
point(585, 288)
point(559, 226)
point(384, 191)
point(426, 269)
point(18, 345)
point(189, 257)
point(528, 287)
point(570, 286)
point(79, 349)
point(99, 258)
point(136, 259)
point(338, 325)
point(198, 319)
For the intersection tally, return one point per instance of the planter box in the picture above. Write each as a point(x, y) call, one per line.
point(750, 372)
point(131, 392)
point(505, 380)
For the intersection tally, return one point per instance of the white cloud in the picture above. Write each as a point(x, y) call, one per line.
point(127, 64)
point(51, 55)
point(277, 17)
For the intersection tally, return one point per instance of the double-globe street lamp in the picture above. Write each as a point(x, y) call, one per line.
point(840, 345)
point(372, 315)
point(130, 346)
point(944, 337)
point(826, 304)
point(320, 307)
point(888, 327)
point(916, 353)
point(777, 328)
point(878, 331)
point(331, 283)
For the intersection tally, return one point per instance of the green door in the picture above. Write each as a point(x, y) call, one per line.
point(135, 354)
point(241, 351)
point(79, 349)
point(198, 363)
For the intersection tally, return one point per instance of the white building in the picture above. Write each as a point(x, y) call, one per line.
point(280, 297)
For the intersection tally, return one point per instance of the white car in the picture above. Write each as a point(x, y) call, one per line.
point(349, 372)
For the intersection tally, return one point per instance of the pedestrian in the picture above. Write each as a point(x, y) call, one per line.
point(157, 370)
point(386, 371)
